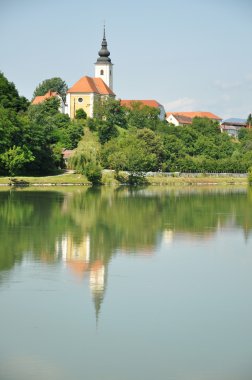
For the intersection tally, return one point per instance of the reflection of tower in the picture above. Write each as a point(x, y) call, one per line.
point(69, 250)
point(76, 255)
point(97, 283)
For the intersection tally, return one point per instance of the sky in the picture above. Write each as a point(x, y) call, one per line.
point(189, 55)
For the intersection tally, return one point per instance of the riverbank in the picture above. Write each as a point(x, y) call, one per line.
point(108, 178)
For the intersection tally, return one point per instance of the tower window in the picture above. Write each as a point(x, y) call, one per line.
point(101, 72)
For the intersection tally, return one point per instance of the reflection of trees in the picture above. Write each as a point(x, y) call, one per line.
point(32, 222)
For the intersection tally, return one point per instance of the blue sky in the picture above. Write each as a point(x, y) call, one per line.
point(187, 54)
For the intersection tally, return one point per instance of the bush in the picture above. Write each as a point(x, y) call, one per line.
point(80, 114)
point(93, 173)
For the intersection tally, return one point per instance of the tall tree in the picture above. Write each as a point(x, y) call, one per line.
point(9, 97)
point(54, 84)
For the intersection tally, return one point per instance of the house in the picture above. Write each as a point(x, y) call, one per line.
point(48, 95)
point(149, 103)
point(67, 153)
point(186, 118)
point(86, 90)
point(232, 126)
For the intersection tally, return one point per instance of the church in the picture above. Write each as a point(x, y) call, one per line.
point(84, 93)
point(87, 90)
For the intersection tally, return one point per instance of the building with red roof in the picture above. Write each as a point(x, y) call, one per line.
point(149, 103)
point(186, 118)
point(50, 94)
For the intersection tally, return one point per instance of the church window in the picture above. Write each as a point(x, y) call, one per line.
point(101, 72)
point(80, 100)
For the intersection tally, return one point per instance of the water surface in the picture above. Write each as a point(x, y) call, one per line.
point(126, 284)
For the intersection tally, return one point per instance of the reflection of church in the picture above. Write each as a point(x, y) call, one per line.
point(77, 258)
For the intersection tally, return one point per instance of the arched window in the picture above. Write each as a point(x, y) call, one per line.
point(101, 72)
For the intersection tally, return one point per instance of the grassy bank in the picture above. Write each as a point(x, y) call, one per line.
point(61, 179)
point(108, 178)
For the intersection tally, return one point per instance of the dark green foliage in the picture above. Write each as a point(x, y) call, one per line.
point(54, 84)
point(80, 114)
point(106, 131)
point(9, 97)
point(91, 124)
point(32, 143)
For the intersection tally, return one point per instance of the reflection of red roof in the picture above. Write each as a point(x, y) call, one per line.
point(149, 103)
point(96, 265)
point(91, 85)
point(191, 115)
point(48, 95)
point(78, 267)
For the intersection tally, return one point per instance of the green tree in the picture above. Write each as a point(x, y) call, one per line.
point(142, 116)
point(106, 131)
point(9, 97)
point(130, 152)
point(55, 84)
point(93, 172)
point(110, 110)
point(80, 114)
point(15, 158)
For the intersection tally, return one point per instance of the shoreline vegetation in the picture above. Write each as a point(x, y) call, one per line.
point(37, 140)
point(112, 179)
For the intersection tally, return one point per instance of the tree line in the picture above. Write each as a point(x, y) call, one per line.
point(136, 140)
point(32, 138)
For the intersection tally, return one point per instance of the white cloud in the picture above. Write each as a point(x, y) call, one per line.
point(182, 104)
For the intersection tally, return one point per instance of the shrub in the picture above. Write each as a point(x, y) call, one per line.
point(80, 114)
point(93, 173)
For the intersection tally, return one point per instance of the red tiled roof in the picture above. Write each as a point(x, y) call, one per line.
point(93, 85)
point(183, 119)
point(149, 103)
point(191, 115)
point(48, 95)
point(67, 153)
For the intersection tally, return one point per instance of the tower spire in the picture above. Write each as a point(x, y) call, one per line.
point(103, 65)
point(104, 53)
point(104, 34)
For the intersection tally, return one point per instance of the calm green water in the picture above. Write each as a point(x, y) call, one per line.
point(126, 285)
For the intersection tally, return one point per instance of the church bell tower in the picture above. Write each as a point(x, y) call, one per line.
point(103, 65)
